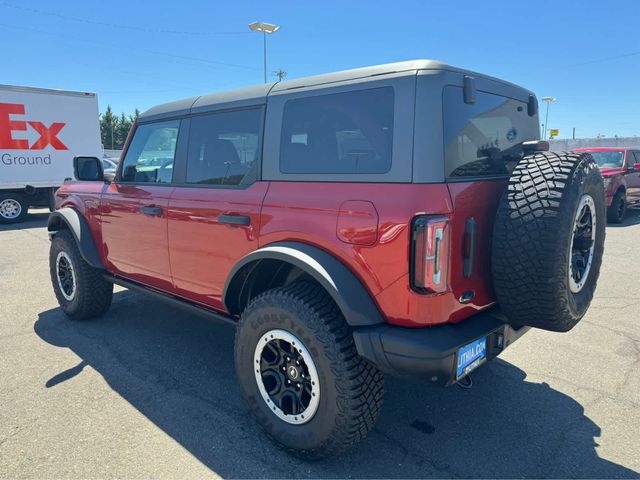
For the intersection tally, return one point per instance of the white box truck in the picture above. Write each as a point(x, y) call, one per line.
point(41, 130)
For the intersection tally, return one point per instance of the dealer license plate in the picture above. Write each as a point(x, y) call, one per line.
point(471, 356)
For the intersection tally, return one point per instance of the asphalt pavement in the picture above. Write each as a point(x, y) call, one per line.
point(150, 391)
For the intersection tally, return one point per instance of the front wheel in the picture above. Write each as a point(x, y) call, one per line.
point(301, 375)
point(81, 290)
point(13, 207)
point(618, 208)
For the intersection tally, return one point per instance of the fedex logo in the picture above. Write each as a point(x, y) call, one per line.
point(48, 135)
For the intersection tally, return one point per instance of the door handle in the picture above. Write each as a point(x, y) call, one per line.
point(151, 211)
point(231, 219)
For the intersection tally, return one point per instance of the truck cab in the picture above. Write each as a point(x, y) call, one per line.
point(620, 168)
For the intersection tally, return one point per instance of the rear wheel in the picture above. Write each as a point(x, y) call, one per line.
point(549, 239)
point(301, 375)
point(81, 290)
point(618, 207)
point(13, 207)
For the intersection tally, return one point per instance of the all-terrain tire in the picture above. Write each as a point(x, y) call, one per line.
point(618, 207)
point(534, 235)
point(91, 294)
point(351, 389)
point(13, 208)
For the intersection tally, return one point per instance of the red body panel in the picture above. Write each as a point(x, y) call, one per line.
point(188, 252)
point(308, 212)
point(135, 245)
point(202, 250)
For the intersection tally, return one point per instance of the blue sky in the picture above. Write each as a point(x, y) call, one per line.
point(140, 53)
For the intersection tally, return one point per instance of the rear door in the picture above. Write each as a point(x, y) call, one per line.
point(134, 207)
point(214, 212)
point(633, 176)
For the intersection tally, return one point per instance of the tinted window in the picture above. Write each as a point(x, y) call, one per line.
point(224, 147)
point(348, 132)
point(151, 153)
point(478, 137)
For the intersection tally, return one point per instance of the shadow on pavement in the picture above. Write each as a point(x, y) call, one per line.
point(32, 220)
point(178, 371)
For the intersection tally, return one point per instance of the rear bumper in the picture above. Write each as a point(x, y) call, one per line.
point(431, 353)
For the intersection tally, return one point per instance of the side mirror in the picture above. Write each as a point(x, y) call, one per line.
point(88, 169)
point(109, 175)
point(636, 167)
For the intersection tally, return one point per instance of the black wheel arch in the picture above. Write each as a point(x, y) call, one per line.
point(69, 218)
point(280, 263)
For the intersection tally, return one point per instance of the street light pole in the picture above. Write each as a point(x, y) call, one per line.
point(546, 117)
point(264, 44)
point(265, 28)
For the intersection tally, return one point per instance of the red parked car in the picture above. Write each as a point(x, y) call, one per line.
point(401, 219)
point(620, 168)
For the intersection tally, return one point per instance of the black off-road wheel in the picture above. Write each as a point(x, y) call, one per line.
point(13, 207)
point(81, 290)
point(301, 375)
point(548, 240)
point(618, 207)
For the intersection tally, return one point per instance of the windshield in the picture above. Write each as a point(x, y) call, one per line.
point(608, 159)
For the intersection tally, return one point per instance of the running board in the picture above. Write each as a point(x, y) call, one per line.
point(171, 300)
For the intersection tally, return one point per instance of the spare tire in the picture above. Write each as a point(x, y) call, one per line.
point(548, 240)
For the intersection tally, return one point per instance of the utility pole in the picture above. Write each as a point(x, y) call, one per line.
point(546, 118)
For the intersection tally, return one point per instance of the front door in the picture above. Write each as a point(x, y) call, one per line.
point(214, 216)
point(633, 176)
point(134, 207)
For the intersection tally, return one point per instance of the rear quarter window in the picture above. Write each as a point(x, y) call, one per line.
point(340, 133)
point(478, 137)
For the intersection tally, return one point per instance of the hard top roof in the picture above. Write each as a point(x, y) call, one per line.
point(249, 96)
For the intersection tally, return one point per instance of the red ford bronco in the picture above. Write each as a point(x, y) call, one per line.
point(401, 219)
point(620, 169)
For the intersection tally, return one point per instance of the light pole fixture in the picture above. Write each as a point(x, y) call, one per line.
point(266, 29)
point(546, 118)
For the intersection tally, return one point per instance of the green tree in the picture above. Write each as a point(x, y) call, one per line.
point(114, 130)
point(108, 122)
point(122, 130)
point(134, 117)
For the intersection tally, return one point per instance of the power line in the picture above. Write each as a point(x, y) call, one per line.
point(606, 59)
point(129, 47)
point(116, 25)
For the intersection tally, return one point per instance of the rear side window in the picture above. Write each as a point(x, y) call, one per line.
point(349, 132)
point(224, 147)
point(481, 139)
point(150, 155)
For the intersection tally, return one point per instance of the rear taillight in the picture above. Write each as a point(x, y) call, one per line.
point(430, 255)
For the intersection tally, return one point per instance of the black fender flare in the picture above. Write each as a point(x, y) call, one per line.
point(80, 230)
point(351, 296)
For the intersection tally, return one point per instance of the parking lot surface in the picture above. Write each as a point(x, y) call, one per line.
point(150, 391)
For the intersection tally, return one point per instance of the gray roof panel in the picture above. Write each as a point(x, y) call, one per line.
point(171, 109)
point(257, 94)
point(237, 98)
